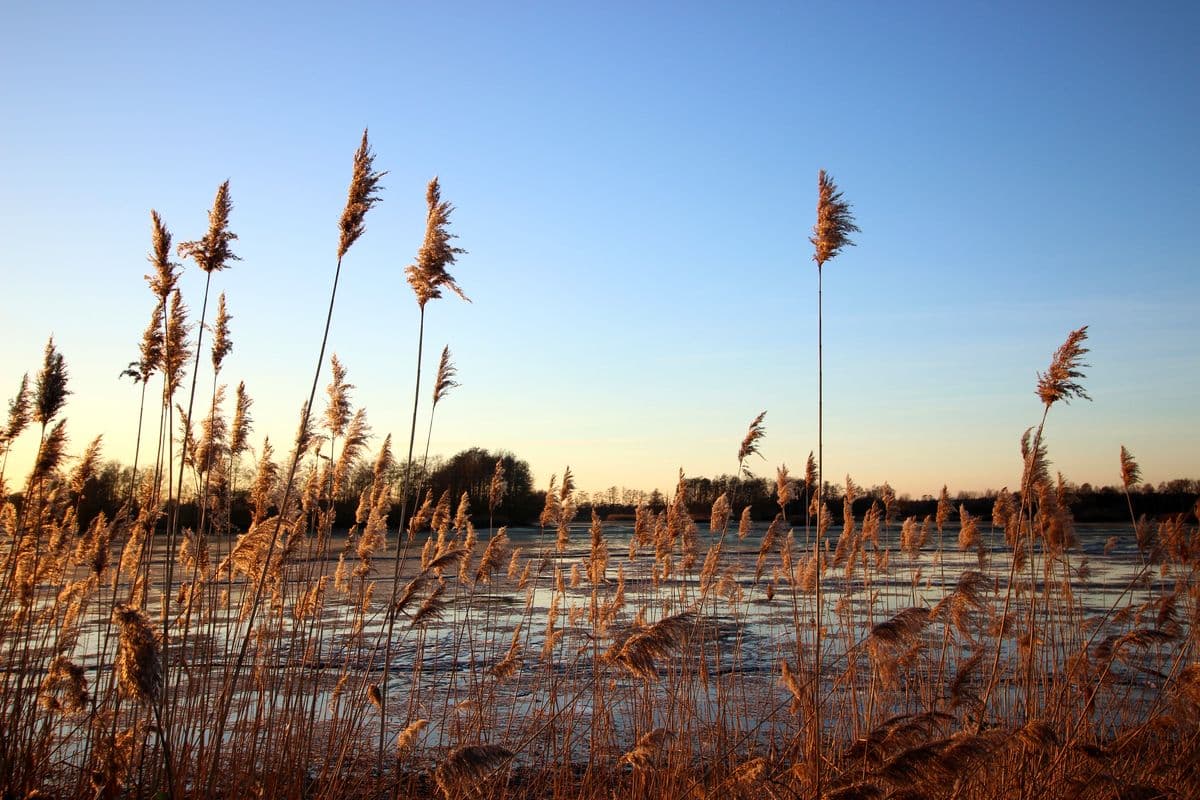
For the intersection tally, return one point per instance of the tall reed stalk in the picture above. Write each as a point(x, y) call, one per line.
point(427, 275)
point(362, 196)
point(831, 233)
point(211, 253)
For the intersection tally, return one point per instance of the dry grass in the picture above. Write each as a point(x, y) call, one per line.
point(143, 658)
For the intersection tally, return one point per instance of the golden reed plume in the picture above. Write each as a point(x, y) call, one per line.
point(835, 223)
point(212, 252)
point(1059, 380)
point(445, 376)
point(749, 446)
point(428, 275)
point(363, 193)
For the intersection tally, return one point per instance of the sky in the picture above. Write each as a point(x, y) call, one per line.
point(635, 186)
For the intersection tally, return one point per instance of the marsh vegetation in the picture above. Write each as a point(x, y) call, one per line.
point(432, 652)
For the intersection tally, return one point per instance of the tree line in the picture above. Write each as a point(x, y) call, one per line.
point(471, 471)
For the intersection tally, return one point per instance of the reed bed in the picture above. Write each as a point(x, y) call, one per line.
point(686, 653)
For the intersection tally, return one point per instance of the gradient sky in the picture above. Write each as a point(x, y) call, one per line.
point(635, 184)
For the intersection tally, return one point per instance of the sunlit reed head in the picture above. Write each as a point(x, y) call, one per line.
point(835, 223)
point(428, 275)
point(50, 392)
point(212, 252)
point(750, 442)
point(1059, 382)
point(363, 194)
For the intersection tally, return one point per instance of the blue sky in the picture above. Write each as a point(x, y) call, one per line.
point(635, 184)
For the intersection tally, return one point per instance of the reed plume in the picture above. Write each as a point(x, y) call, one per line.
point(139, 664)
point(50, 390)
point(903, 628)
point(718, 520)
point(408, 737)
point(1131, 473)
point(749, 446)
point(468, 767)
point(65, 687)
point(337, 412)
point(785, 488)
point(968, 531)
point(434, 606)
point(427, 275)
point(496, 487)
point(239, 430)
point(1059, 382)
point(647, 751)
point(834, 223)
point(222, 343)
point(422, 517)
point(212, 252)
point(744, 523)
point(176, 349)
point(508, 666)
point(446, 373)
point(493, 556)
point(361, 196)
point(50, 453)
point(85, 470)
point(792, 684)
point(19, 415)
point(166, 272)
point(639, 650)
point(831, 234)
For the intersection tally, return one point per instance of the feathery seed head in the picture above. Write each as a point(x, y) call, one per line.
point(18, 413)
point(497, 487)
point(239, 432)
point(1059, 380)
point(139, 667)
point(65, 687)
point(337, 413)
point(719, 519)
point(151, 346)
point(784, 487)
point(50, 455)
point(428, 275)
point(749, 444)
point(445, 376)
point(835, 223)
point(744, 523)
point(85, 470)
point(222, 344)
point(363, 194)
point(1131, 473)
point(51, 391)
point(166, 271)
point(212, 253)
point(176, 349)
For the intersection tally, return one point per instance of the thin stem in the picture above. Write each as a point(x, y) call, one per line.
point(820, 508)
point(1027, 485)
point(391, 611)
point(137, 447)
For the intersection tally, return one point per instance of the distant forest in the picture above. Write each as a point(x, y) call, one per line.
point(471, 472)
